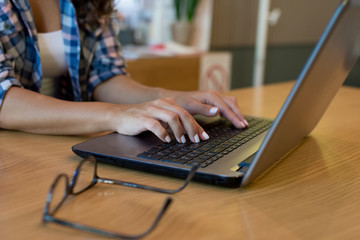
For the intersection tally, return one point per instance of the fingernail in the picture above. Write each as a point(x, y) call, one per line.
point(205, 135)
point(183, 139)
point(213, 110)
point(246, 123)
point(167, 139)
point(196, 138)
point(242, 125)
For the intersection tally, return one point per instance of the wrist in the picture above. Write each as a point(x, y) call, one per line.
point(109, 119)
point(166, 93)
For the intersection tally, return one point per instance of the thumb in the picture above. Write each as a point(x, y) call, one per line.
point(203, 109)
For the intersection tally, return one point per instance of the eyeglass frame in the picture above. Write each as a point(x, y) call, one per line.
point(69, 190)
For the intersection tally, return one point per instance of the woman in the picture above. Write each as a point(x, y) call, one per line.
point(72, 45)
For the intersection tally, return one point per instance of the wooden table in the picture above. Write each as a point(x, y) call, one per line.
point(313, 193)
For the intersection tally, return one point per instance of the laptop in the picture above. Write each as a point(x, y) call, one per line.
point(236, 157)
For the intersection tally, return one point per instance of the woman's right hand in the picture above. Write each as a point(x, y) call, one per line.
point(156, 116)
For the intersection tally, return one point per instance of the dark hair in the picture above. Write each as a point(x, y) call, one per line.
point(93, 12)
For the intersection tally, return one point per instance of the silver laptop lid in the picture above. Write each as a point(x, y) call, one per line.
point(325, 71)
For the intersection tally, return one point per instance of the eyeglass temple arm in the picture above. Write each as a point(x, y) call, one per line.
point(156, 189)
point(49, 218)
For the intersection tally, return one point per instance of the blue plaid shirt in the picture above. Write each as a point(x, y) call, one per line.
point(92, 54)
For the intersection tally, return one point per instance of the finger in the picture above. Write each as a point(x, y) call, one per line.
point(155, 127)
point(233, 105)
point(170, 118)
point(203, 109)
point(192, 128)
point(225, 107)
point(140, 124)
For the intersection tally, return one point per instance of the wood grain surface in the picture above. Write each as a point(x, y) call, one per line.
point(312, 193)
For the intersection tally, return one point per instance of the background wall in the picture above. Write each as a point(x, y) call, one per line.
point(290, 42)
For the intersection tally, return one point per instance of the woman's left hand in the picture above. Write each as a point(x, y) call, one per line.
point(210, 103)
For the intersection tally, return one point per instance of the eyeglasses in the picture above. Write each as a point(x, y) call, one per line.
point(85, 177)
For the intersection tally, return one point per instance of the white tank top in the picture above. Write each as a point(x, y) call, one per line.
point(52, 56)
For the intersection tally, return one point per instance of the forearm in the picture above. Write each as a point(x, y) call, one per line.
point(122, 89)
point(32, 112)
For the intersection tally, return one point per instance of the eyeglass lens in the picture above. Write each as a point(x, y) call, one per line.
point(83, 176)
point(59, 191)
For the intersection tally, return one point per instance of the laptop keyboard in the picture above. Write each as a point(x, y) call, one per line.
point(224, 138)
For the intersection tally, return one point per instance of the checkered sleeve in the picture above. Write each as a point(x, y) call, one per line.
point(7, 74)
point(108, 60)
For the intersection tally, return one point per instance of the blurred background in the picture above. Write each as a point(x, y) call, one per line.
point(166, 30)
